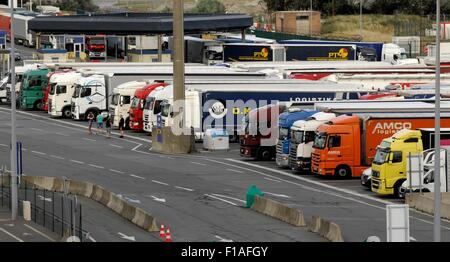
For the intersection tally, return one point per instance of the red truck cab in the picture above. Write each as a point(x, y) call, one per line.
point(251, 139)
point(96, 47)
point(137, 105)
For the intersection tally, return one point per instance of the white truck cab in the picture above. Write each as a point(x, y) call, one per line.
point(89, 96)
point(302, 140)
point(62, 86)
point(153, 106)
point(121, 101)
point(392, 53)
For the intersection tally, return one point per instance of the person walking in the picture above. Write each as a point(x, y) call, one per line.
point(107, 121)
point(100, 123)
point(121, 126)
point(90, 118)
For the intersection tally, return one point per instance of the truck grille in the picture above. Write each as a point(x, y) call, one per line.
point(292, 153)
point(375, 183)
point(111, 115)
point(72, 105)
point(49, 105)
point(146, 117)
point(279, 148)
point(315, 159)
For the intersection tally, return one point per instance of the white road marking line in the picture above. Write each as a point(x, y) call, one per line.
point(116, 146)
point(223, 200)
point(184, 188)
point(323, 185)
point(3, 145)
point(197, 163)
point(61, 134)
point(11, 235)
point(36, 129)
point(99, 167)
point(40, 233)
point(88, 139)
point(233, 170)
point(158, 182)
point(117, 171)
point(237, 199)
point(143, 178)
point(136, 147)
point(76, 161)
point(275, 180)
point(39, 153)
point(92, 239)
point(223, 239)
point(57, 157)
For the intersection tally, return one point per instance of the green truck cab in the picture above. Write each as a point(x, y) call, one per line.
point(32, 89)
point(390, 163)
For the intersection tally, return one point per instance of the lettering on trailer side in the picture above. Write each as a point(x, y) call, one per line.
point(390, 128)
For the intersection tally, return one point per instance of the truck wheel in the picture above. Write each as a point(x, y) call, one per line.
point(66, 113)
point(265, 154)
point(343, 172)
point(397, 192)
point(38, 105)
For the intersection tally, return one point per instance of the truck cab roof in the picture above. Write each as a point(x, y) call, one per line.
point(287, 119)
point(311, 123)
point(146, 90)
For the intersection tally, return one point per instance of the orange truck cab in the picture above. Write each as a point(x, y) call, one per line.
point(346, 145)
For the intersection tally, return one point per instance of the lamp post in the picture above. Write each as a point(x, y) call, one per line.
point(437, 135)
point(14, 196)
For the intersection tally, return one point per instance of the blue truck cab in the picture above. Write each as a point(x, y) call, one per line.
point(285, 122)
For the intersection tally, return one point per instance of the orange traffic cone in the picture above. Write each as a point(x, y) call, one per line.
point(162, 232)
point(168, 237)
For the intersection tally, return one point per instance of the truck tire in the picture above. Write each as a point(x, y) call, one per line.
point(66, 112)
point(397, 192)
point(38, 105)
point(264, 154)
point(343, 172)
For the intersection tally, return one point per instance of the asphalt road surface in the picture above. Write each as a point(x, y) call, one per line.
point(200, 196)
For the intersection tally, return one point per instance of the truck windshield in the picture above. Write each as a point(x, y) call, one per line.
point(381, 156)
point(115, 99)
point(165, 109)
point(297, 136)
point(149, 103)
point(135, 102)
point(97, 41)
point(320, 141)
point(157, 107)
point(76, 92)
point(52, 88)
point(284, 133)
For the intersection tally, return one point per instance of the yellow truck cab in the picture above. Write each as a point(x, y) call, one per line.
point(390, 162)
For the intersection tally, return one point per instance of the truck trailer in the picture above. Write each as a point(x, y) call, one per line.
point(346, 145)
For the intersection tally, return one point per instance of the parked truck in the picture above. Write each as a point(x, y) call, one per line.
point(302, 139)
point(383, 52)
point(136, 111)
point(62, 86)
point(32, 89)
point(96, 47)
point(250, 142)
point(332, 52)
point(390, 165)
point(285, 122)
point(346, 146)
point(121, 101)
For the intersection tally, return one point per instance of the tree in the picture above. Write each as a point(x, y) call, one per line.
point(74, 5)
point(209, 7)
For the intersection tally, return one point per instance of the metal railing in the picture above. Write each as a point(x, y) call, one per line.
point(58, 212)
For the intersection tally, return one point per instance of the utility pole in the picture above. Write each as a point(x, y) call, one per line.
point(178, 60)
point(437, 135)
point(310, 17)
point(14, 197)
point(361, 18)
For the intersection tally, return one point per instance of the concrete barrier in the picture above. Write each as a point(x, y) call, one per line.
point(327, 229)
point(277, 210)
point(425, 203)
point(97, 193)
